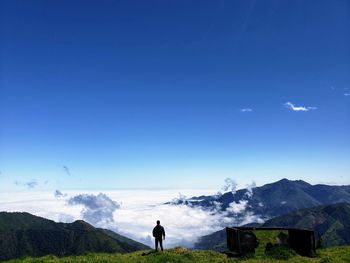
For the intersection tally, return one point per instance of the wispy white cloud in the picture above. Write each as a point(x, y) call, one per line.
point(66, 170)
point(30, 184)
point(246, 110)
point(346, 94)
point(230, 185)
point(250, 188)
point(179, 199)
point(59, 194)
point(293, 107)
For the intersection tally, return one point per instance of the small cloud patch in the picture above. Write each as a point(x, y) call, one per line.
point(293, 107)
point(30, 184)
point(66, 170)
point(230, 185)
point(59, 194)
point(246, 110)
point(98, 209)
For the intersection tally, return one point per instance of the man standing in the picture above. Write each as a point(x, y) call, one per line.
point(159, 235)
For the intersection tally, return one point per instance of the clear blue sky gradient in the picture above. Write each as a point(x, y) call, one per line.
point(149, 93)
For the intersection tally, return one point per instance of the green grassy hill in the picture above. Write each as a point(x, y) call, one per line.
point(23, 234)
point(329, 255)
point(332, 222)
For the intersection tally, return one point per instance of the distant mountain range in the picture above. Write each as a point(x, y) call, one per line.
point(331, 222)
point(23, 234)
point(275, 199)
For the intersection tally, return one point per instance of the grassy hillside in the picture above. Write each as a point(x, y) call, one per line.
point(334, 255)
point(330, 221)
point(127, 243)
point(23, 234)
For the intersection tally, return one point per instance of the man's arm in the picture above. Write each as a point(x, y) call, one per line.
point(163, 232)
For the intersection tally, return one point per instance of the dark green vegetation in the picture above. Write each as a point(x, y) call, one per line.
point(265, 237)
point(217, 240)
point(329, 255)
point(127, 242)
point(25, 234)
point(331, 222)
point(281, 252)
point(277, 198)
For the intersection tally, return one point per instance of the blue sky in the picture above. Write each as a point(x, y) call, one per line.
point(152, 93)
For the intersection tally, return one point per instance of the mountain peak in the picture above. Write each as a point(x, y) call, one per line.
point(299, 183)
point(82, 225)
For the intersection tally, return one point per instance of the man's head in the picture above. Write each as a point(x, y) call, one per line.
point(158, 222)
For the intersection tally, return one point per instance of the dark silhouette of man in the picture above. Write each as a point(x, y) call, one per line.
point(159, 235)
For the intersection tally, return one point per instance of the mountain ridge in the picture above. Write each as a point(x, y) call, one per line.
point(274, 199)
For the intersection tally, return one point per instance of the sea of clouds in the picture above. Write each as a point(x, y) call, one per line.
point(132, 213)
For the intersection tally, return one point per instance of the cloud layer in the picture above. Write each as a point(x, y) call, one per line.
point(133, 213)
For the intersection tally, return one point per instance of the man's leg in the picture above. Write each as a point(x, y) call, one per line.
point(156, 241)
point(161, 243)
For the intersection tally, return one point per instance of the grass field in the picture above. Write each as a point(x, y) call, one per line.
point(328, 255)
